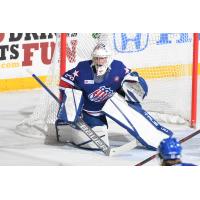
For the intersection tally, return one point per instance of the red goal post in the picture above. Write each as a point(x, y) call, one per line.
point(194, 80)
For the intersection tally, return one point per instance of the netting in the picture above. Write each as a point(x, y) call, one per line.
point(164, 60)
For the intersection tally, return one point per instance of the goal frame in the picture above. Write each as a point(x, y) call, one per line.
point(194, 89)
point(194, 80)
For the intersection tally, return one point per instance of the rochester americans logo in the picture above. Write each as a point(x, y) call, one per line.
point(101, 94)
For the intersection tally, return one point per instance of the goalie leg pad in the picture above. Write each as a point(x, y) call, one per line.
point(136, 121)
point(98, 125)
point(71, 106)
point(79, 139)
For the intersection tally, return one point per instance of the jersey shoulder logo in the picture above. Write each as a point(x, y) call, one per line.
point(73, 75)
point(101, 94)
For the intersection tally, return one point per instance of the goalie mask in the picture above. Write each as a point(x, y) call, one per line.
point(101, 57)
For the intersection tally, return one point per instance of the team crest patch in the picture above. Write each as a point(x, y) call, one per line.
point(101, 94)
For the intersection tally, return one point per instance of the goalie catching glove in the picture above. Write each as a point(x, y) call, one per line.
point(135, 87)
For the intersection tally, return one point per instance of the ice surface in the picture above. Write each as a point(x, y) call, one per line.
point(19, 150)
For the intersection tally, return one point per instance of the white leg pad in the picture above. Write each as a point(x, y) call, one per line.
point(139, 124)
point(80, 139)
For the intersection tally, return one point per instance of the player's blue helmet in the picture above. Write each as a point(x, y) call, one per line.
point(170, 149)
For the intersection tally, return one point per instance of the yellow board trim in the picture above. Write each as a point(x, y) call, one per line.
point(171, 71)
point(19, 83)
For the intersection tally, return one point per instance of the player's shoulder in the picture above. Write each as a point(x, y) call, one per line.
point(84, 63)
point(185, 164)
point(117, 62)
point(188, 164)
point(81, 66)
point(119, 66)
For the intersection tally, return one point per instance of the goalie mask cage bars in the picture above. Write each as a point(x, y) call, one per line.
point(168, 62)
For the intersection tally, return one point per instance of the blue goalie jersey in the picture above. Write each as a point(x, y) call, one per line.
point(95, 94)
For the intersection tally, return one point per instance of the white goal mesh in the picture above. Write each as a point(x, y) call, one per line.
point(164, 60)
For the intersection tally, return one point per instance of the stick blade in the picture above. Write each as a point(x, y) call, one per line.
point(124, 148)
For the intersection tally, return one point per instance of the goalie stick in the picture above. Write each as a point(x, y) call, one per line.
point(155, 155)
point(107, 150)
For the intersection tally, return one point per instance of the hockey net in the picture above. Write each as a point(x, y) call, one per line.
point(164, 60)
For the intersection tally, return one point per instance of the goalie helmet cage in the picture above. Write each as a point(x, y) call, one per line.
point(168, 62)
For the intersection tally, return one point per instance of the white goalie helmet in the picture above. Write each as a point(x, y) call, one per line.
point(101, 57)
point(101, 51)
